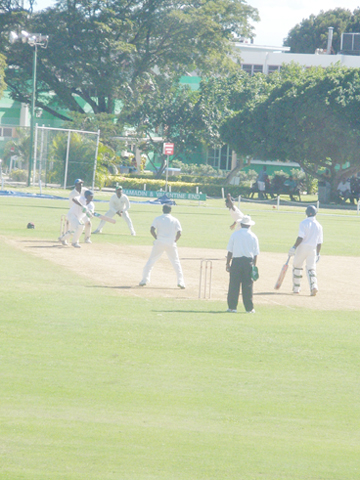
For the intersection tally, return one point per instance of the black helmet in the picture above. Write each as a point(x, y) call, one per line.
point(88, 193)
point(311, 211)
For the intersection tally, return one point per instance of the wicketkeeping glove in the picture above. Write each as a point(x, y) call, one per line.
point(292, 251)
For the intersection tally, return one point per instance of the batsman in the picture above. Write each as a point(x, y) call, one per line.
point(82, 208)
point(307, 249)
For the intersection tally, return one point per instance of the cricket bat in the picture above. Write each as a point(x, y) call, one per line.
point(282, 274)
point(104, 217)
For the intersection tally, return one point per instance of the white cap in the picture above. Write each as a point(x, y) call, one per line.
point(246, 220)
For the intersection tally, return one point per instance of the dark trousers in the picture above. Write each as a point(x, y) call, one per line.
point(240, 274)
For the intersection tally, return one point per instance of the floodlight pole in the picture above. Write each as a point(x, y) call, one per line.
point(34, 40)
point(32, 119)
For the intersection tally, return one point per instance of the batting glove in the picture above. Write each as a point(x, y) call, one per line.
point(84, 209)
point(292, 251)
point(89, 214)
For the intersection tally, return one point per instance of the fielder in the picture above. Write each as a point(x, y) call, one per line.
point(307, 248)
point(82, 208)
point(236, 214)
point(166, 230)
point(119, 205)
point(243, 250)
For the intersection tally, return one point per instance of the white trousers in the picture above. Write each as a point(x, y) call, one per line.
point(124, 215)
point(76, 228)
point(307, 254)
point(172, 252)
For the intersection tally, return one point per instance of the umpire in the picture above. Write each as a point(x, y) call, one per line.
point(243, 249)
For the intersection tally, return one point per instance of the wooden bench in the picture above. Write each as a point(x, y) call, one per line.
point(273, 192)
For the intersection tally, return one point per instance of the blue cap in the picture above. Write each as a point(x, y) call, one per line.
point(78, 180)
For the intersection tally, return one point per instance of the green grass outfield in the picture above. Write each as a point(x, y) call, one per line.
point(97, 386)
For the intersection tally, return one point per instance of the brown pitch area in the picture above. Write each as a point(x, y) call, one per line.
point(120, 268)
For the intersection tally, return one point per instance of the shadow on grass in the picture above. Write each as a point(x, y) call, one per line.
point(281, 294)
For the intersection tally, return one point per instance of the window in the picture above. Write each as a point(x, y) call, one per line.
point(273, 68)
point(5, 132)
point(220, 158)
point(247, 68)
point(252, 69)
point(258, 69)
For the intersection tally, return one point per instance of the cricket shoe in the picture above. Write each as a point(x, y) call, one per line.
point(181, 286)
point(87, 240)
point(231, 311)
point(64, 242)
point(97, 231)
point(133, 234)
point(76, 245)
point(142, 284)
point(251, 311)
point(314, 291)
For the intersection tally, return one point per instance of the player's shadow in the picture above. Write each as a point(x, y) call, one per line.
point(212, 312)
point(273, 293)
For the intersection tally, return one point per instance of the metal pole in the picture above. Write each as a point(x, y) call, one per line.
point(167, 173)
point(95, 162)
point(32, 113)
point(40, 159)
point(35, 154)
point(67, 159)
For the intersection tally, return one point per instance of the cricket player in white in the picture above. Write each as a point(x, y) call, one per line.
point(119, 205)
point(81, 209)
point(236, 214)
point(79, 190)
point(307, 248)
point(166, 230)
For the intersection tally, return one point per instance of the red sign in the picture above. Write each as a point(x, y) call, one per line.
point(168, 149)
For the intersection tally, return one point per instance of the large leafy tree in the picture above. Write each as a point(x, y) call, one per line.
point(307, 116)
point(98, 49)
point(312, 33)
point(160, 107)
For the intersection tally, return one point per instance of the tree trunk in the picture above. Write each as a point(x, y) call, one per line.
point(239, 165)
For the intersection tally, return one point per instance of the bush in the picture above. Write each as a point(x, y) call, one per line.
point(17, 175)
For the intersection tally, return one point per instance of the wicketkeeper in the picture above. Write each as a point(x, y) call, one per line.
point(307, 249)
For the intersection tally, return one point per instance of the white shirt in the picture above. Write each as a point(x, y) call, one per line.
point(236, 214)
point(74, 193)
point(77, 211)
point(243, 243)
point(344, 186)
point(166, 227)
point(119, 204)
point(311, 232)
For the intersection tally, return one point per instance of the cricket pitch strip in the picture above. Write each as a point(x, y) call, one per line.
point(120, 268)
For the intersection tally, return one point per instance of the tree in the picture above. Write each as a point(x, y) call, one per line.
point(312, 33)
point(98, 49)
point(2, 74)
point(308, 116)
point(162, 107)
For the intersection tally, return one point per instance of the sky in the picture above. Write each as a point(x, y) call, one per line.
point(278, 17)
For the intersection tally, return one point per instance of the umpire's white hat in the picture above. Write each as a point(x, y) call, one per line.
point(246, 220)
